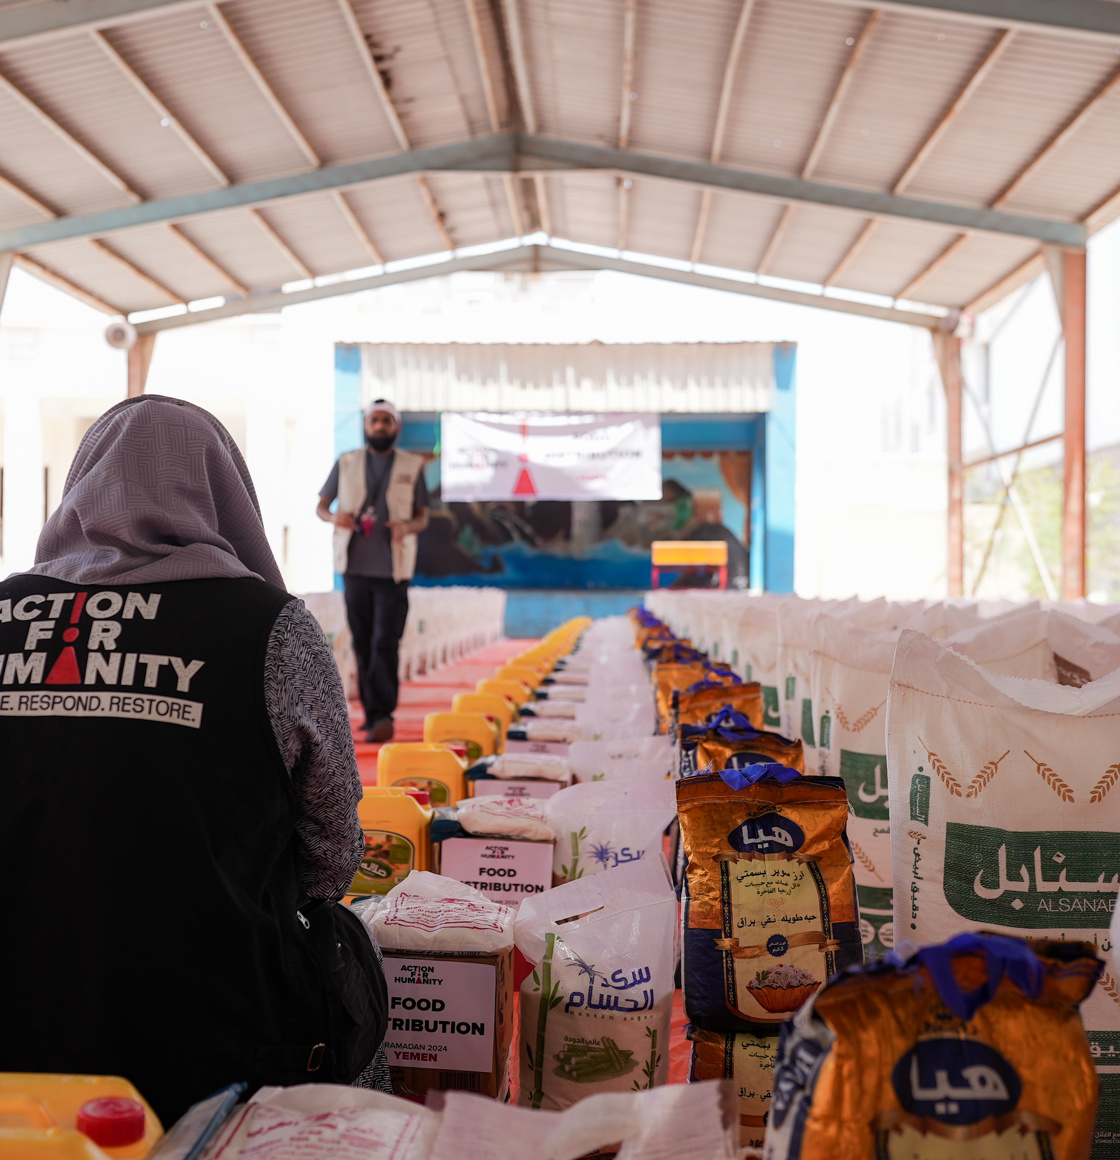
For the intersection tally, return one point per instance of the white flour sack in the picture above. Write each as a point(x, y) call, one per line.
point(754, 651)
point(1005, 795)
point(597, 1008)
point(1048, 646)
point(602, 824)
point(851, 668)
point(649, 757)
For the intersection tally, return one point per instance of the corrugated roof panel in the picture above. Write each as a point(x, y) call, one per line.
point(671, 377)
point(44, 165)
point(238, 244)
point(75, 82)
point(80, 262)
point(738, 229)
point(923, 63)
point(428, 68)
point(159, 253)
point(574, 53)
point(662, 218)
point(1031, 93)
point(197, 75)
point(792, 58)
point(474, 207)
point(318, 233)
point(814, 241)
point(584, 208)
point(14, 211)
point(305, 51)
point(680, 58)
point(396, 217)
point(981, 262)
point(896, 252)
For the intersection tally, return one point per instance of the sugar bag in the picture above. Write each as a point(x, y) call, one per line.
point(596, 1010)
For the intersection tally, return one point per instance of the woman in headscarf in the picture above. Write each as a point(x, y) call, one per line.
point(178, 787)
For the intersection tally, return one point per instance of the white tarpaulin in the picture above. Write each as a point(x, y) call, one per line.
point(549, 456)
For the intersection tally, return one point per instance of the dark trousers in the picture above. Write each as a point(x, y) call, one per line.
point(376, 608)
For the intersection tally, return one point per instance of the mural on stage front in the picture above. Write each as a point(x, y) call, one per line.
point(591, 545)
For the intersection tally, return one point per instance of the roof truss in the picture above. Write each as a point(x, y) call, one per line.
point(536, 258)
point(523, 153)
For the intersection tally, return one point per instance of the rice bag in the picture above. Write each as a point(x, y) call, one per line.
point(602, 824)
point(706, 698)
point(748, 1061)
point(597, 1008)
point(729, 741)
point(539, 729)
point(504, 817)
point(427, 912)
point(971, 1050)
point(769, 896)
point(666, 678)
point(511, 766)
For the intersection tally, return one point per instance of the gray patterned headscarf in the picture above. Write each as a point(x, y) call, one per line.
point(158, 490)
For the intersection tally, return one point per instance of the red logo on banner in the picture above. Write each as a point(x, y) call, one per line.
point(64, 671)
point(524, 484)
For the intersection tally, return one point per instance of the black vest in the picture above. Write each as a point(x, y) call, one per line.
point(148, 852)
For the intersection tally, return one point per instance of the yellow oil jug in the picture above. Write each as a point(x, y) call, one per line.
point(419, 765)
point(397, 823)
point(74, 1117)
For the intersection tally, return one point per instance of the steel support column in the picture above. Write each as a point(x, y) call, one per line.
point(1073, 302)
point(947, 351)
point(139, 360)
point(6, 260)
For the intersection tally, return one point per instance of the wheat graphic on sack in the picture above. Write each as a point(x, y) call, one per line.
point(1108, 983)
point(942, 770)
point(984, 776)
point(861, 722)
point(1111, 776)
point(865, 861)
point(1052, 779)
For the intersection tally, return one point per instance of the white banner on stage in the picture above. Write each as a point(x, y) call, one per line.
point(527, 456)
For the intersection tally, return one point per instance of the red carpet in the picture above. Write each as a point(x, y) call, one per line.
point(432, 693)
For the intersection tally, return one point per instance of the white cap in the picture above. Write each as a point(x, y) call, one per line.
point(387, 407)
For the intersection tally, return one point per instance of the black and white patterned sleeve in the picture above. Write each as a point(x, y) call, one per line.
point(307, 709)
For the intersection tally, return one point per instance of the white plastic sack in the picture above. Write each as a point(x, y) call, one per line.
point(1047, 646)
point(682, 1122)
point(427, 912)
point(597, 1009)
point(505, 818)
point(603, 824)
point(606, 721)
point(1005, 795)
point(514, 766)
point(631, 757)
point(851, 668)
point(321, 1121)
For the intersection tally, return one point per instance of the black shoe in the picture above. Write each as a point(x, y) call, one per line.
point(382, 731)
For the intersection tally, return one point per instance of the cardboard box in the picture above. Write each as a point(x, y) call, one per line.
point(516, 745)
point(450, 1022)
point(507, 869)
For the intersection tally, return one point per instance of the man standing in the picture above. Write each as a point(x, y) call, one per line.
point(382, 506)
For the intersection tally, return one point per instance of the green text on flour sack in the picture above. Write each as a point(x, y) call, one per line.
point(1034, 880)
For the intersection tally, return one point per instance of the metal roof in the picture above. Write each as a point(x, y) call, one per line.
point(160, 152)
point(691, 378)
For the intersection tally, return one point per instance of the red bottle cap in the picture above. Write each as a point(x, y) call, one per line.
point(112, 1121)
point(421, 795)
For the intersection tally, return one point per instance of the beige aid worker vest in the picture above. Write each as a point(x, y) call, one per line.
point(398, 497)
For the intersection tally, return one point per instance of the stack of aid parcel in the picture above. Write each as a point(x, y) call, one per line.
point(498, 845)
point(971, 1050)
point(448, 953)
point(769, 914)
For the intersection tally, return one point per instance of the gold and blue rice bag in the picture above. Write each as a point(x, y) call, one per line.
point(972, 1050)
point(769, 897)
point(748, 1061)
point(729, 740)
point(711, 695)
